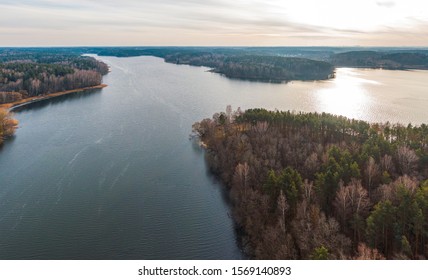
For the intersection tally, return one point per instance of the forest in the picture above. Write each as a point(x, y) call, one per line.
point(27, 73)
point(321, 186)
point(280, 64)
point(373, 59)
point(259, 64)
point(257, 67)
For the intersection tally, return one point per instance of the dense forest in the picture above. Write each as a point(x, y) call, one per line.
point(373, 59)
point(7, 125)
point(257, 67)
point(319, 186)
point(28, 73)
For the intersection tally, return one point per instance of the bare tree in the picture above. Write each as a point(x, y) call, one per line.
point(367, 253)
point(312, 163)
point(283, 207)
point(390, 191)
point(261, 127)
point(386, 163)
point(407, 159)
point(229, 113)
point(352, 204)
point(372, 170)
point(308, 191)
point(242, 176)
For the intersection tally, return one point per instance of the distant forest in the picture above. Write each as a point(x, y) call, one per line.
point(319, 186)
point(276, 64)
point(249, 58)
point(373, 59)
point(258, 67)
point(29, 73)
point(246, 64)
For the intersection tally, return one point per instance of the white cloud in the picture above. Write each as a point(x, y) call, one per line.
point(209, 22)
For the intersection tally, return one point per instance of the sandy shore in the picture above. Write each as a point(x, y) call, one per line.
point(29, 100)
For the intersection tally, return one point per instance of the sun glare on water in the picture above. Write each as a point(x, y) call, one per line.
point(345, 95)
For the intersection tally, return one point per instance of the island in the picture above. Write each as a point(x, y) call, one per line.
point(321, 186)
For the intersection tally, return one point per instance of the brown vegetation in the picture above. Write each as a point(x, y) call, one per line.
point(25, 74)
point(8, 125)
point(317, 186)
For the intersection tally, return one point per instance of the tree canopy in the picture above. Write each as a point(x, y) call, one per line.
point(320, 185)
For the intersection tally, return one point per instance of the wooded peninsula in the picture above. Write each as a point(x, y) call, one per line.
point(32, 73)
point(320, 186)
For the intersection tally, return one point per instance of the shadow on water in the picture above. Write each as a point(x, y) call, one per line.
point(225, 195)
point(6, 141)
point(240, 237)
point(55, 100)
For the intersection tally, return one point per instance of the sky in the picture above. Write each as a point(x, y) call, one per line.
point(214, 23)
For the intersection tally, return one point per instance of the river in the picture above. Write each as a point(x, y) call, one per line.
point(111, 173)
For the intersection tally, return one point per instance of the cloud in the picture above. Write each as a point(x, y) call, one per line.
point(171, 22)
point(386, 4)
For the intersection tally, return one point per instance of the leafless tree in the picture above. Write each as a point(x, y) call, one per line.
point(367, 253)
point(352, 204)
point(283, 207)
point(386, 163)
point(372, 170)
point(242, 177)
point(407, 159)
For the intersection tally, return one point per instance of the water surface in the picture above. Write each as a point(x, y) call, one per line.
point(111, 173)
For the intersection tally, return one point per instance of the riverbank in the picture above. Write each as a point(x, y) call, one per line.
point(25, 101)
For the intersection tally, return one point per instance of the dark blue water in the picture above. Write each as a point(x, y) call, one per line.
point(111, 174)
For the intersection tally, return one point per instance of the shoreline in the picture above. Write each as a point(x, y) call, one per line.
point(29, 100)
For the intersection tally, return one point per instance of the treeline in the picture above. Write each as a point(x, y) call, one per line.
point(257, 67)
point(275, 68)
point(26, 73)
point(7, 125)
point(319, 186)
point(253, 68)
point(260, 64)
point(374, 59)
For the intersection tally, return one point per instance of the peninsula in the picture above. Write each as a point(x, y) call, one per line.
point(27, 75)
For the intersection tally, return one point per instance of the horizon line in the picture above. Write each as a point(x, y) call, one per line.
point(209, 46)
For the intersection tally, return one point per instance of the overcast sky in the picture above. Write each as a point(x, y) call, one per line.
point(214, 22)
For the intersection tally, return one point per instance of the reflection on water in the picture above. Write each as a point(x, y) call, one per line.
point(373, 95)
point(377, 95)
point(55, 100)
point(346, 95)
